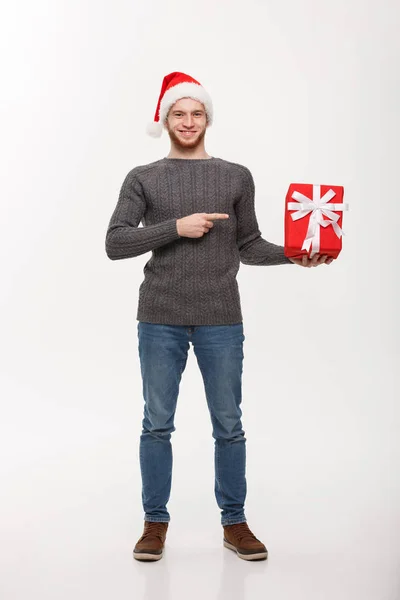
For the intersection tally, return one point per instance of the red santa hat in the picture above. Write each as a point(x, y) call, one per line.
point(175, 86)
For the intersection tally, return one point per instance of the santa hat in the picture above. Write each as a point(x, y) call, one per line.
point(174, 87)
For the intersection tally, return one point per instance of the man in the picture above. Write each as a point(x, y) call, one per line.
point(199, 222)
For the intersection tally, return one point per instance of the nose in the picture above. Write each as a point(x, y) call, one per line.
point(188, 121)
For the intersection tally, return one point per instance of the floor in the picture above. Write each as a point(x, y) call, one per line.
point(323, 494)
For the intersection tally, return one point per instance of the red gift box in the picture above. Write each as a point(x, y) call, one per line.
point(313, 220)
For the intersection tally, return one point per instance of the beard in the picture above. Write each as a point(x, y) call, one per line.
point(183, 143)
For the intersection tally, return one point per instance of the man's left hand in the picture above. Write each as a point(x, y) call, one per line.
point(315, 261)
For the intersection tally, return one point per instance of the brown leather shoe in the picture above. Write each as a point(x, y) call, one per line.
point(151, 544)
point(239, 538)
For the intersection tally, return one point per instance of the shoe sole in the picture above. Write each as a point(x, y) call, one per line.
point(256, 556)
point(147, 556)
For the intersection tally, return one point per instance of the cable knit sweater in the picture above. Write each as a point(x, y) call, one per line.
point(189, 281)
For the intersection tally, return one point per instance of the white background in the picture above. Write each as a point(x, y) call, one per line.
point(302, 91)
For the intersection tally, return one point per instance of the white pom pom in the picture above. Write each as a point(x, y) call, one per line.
point(154, 129)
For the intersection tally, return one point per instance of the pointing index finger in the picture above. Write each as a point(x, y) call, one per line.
point(214, 216)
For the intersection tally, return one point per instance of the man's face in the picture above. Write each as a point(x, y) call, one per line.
point(187, 115)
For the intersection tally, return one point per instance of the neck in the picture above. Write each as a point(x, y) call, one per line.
point(188, 153)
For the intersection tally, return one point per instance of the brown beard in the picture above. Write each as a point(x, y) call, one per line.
point(190, 144)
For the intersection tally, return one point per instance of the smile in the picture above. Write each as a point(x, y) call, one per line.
point(187, 133)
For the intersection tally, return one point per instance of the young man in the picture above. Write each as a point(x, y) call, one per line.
point(199, 222)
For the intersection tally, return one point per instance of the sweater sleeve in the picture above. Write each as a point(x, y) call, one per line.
point(124, 239)
point(253, 249)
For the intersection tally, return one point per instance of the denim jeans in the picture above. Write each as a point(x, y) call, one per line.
point(163, 351)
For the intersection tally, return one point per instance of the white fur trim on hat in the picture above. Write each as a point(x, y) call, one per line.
point(183, 90)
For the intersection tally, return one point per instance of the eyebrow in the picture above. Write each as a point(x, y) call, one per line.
point(180, 110)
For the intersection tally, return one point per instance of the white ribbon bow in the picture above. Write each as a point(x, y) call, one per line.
point(317, 206)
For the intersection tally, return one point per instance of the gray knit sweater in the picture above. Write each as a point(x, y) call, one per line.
point(189, 281)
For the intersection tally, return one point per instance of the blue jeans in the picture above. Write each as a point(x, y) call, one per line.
point(163, 351)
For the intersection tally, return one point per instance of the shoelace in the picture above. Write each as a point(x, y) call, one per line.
point(242, 531)
point(155, 528)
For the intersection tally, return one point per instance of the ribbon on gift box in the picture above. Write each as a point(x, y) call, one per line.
point(317, 207)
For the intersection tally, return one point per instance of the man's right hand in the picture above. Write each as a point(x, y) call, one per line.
point(196, 225)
